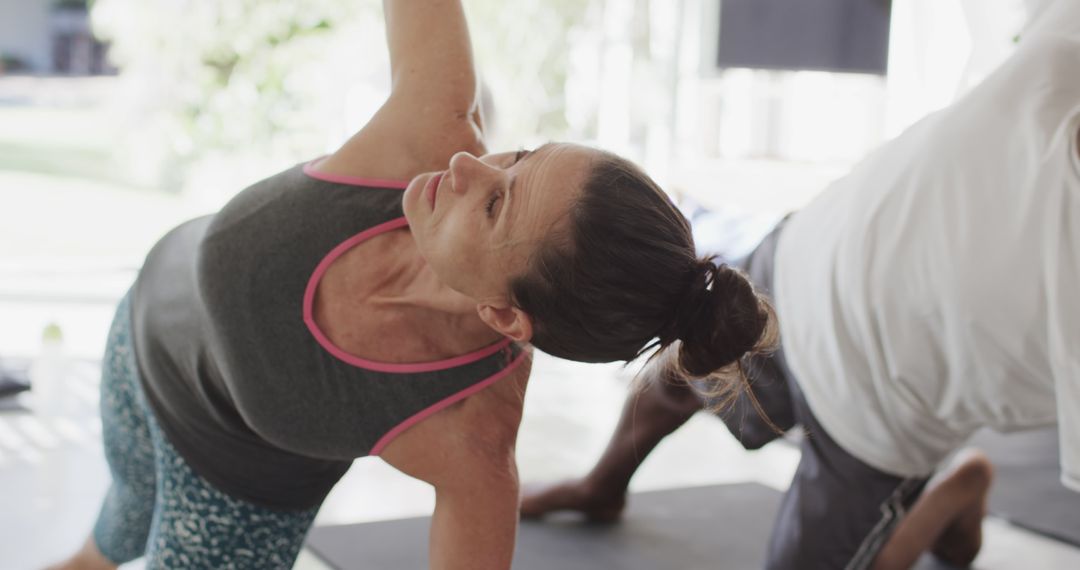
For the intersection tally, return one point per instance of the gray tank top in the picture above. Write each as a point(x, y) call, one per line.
point(246, 387)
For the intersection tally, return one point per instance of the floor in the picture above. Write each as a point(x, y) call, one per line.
point(52, 474)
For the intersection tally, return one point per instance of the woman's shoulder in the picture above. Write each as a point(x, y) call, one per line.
point(475, 433)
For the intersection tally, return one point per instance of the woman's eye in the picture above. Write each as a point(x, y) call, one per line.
point(491, 204)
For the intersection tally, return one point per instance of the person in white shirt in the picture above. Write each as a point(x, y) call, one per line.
point(933, 291)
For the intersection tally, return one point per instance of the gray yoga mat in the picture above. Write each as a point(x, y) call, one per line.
point(722, 527)
point(1027, 489)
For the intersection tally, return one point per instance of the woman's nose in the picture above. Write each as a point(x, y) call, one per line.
point(467, 170)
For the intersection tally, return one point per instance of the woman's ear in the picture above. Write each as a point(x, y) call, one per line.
point(509, 320)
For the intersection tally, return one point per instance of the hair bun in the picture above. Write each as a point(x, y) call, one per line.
point(693, 301)
point(719, 319)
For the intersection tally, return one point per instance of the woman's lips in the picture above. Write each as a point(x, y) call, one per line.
point(433, 188)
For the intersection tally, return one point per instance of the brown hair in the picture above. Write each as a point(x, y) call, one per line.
point(622, 277)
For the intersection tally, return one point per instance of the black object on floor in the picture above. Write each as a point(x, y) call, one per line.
point(13, 382)
point(717, 527)
point(1027, 489)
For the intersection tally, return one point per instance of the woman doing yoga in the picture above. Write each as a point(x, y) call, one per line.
point(377, 302)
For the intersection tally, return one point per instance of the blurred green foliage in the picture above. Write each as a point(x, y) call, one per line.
point(273, 78)
point(522, 50)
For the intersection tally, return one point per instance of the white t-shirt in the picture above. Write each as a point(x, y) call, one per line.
point(936, 288)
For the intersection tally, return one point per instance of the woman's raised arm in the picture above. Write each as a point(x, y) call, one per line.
point(433, 108)
point(430, 55)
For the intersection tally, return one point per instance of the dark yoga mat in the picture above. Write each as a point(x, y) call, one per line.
point(1027, 489)
point(722, 527)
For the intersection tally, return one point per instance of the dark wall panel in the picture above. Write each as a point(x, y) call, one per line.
point(826, 35)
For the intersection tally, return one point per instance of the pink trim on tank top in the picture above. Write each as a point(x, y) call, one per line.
point(309, 169)
point(309, 318)
point(441, 404)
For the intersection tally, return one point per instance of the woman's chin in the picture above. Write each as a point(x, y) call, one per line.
point(409, 201)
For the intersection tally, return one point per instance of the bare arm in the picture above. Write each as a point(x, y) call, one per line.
point(662, 404)
point(433, 108)
point(467, 453)
point(476, 514)
point(430, 54)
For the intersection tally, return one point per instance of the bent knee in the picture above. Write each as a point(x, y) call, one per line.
point(976, 471)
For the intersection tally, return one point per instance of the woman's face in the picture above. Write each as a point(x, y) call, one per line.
point(478, 221)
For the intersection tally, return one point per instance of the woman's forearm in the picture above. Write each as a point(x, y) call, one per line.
point(430, 50)
point(474, 528)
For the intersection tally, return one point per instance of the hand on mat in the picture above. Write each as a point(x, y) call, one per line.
point(599, 505)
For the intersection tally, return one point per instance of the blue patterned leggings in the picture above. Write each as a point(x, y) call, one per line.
point(157, 506)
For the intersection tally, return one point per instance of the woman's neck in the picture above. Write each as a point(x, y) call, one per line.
point(410, 283)
point(399, 279)
point(382, 301)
